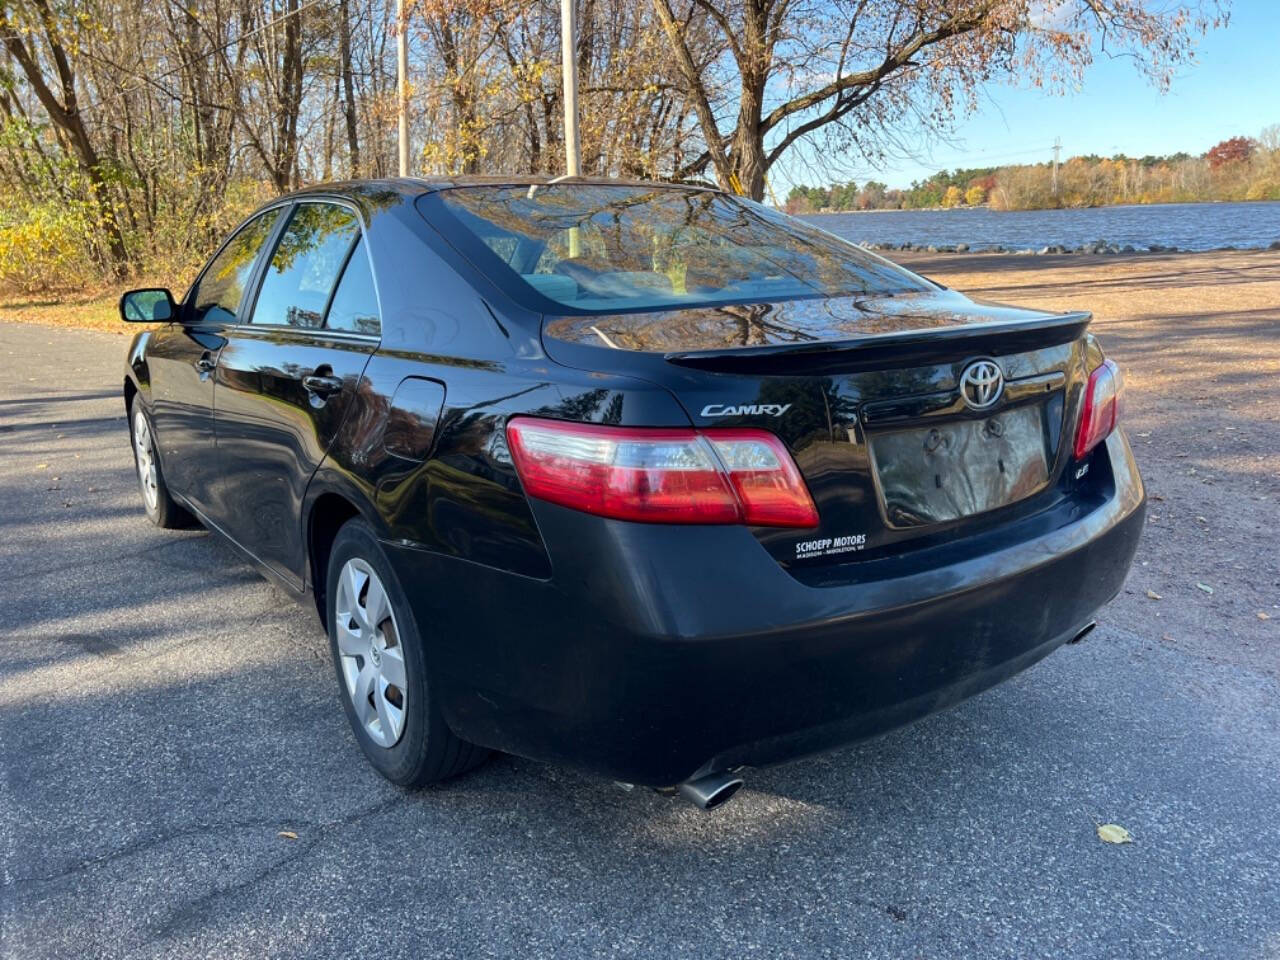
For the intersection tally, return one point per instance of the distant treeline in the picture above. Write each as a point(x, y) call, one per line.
point(1242, 168)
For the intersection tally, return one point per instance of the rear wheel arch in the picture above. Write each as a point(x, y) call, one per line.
point(325, 518)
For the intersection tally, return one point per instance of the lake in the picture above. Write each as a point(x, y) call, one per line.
point(1187, 226)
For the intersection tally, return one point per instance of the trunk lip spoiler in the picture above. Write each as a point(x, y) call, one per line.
point(1059, 322)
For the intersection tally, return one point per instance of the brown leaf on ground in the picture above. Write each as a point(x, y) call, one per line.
point(1152, 595)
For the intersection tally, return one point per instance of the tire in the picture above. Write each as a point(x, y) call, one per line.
point(161, 508)
point(379, 658)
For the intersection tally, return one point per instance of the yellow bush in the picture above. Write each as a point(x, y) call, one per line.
point(46, 250)
point(975, 195)
point(1264, 190)
point(953, 197)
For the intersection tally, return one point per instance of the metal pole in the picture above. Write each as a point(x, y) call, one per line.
point(569, 67)
point(402, 83)
point(1057, 149)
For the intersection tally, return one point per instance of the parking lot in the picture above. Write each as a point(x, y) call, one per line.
point(177, 777)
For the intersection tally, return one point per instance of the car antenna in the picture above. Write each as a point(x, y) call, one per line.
point(534, 187)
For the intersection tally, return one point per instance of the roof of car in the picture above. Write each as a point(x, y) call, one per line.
point(416, 186)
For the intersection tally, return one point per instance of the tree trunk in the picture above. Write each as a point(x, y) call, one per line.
point(65, 114)
point(285, 165)
point(348, 85)
point(747, 156)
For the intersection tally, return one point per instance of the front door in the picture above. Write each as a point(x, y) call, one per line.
point(181, 359)
point(287, 378)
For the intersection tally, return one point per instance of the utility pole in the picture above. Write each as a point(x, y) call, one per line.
point(569, 68)
point(402, 84)
point(1057, 149)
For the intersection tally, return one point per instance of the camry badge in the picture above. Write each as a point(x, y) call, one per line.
point(746, 409)
point(981, 384)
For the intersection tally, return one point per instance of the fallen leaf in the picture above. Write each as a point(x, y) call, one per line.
point(1205, 587)
point(1157, 496)
point(1263, 616)
point(290, 835)
point(1152, 595)
point(1114, 833)
point(42, 466)
point(1167, 638)
point(1202, 519)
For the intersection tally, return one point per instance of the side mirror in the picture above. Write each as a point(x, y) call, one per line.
point(151, 305)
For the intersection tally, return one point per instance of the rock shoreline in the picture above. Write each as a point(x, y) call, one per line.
point(1097, 247)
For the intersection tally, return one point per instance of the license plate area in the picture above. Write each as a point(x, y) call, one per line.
point(944, 472)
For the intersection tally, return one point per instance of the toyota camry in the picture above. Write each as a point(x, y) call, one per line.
point(647, 479)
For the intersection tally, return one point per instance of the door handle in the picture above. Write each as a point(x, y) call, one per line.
point(322, 385)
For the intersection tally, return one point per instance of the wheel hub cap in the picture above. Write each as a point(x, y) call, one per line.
point(370, 653)
point(144, 455)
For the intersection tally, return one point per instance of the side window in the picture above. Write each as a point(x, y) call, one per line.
point(355, 304)
point(305, 265)
point(220, 292)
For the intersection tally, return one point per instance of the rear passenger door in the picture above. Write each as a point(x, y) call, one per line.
point(287, 379)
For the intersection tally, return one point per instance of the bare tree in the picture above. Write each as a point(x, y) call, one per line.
point(854, 69)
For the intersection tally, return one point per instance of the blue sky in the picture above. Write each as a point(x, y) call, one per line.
point(1233, 89)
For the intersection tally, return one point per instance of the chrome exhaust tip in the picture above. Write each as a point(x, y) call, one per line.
point(1084, 631)
point(711, 791)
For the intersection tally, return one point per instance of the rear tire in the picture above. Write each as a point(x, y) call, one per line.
point(380, 662)
point(161, 508)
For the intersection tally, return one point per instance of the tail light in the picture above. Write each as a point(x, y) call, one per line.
point(662, 475)
point(1103, 404)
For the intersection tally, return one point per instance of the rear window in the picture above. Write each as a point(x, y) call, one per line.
point(591, 248)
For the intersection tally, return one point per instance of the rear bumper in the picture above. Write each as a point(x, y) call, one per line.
point(655, 654)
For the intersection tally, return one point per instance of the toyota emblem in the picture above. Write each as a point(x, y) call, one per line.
point(981, 384)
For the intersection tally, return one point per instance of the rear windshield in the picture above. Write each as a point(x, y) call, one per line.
point(605, 248)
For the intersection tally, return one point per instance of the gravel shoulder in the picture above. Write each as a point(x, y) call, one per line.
point(1198, 338)
point(165, 715)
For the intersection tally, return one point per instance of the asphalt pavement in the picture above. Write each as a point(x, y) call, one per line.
point(177, 777)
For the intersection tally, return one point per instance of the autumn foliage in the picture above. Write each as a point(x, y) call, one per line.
point(132, 135)
point(1251, 172)
point(1235, 150)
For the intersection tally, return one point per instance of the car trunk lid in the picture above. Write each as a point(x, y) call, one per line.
point(867, 395)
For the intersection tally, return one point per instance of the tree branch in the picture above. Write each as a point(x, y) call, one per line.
point(895, 60)
point(697, 91)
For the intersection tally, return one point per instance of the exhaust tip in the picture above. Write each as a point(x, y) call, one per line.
point(711, 791)
point(1084, 631)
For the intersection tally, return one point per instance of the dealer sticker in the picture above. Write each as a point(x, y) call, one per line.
point(827, 546)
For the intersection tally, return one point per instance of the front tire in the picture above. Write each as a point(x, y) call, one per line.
point(162, 509)
point(380, 662)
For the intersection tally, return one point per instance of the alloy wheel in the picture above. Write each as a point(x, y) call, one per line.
point(372, 656)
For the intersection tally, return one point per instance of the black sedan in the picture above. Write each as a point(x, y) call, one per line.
point(644, 478)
